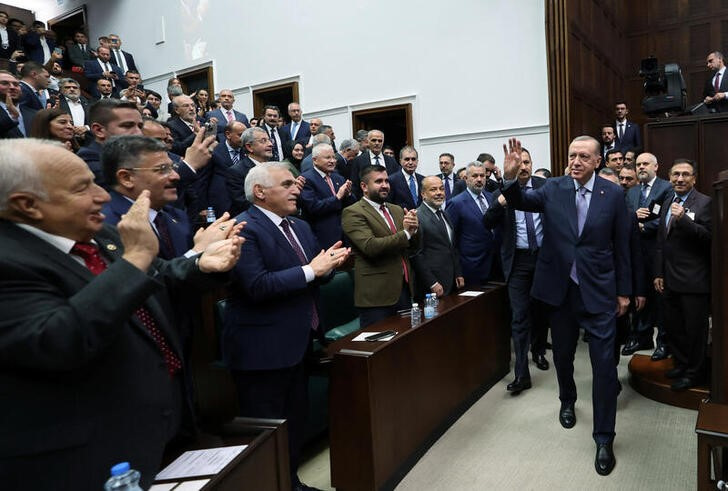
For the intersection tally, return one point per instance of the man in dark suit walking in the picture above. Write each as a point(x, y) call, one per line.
point(583, 272)
point(437, 261)
point(273, 311)
point(405, 184)
point(715, 93)
point(682, 274)
point(522, 239)
point(92, 361)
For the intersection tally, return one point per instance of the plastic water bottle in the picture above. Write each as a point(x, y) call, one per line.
point(429, 306)
point(436, 303)
point(415, 316)
point(123, 478)
point(210, 216)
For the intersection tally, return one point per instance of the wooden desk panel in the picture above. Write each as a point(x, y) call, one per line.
point(391, 400)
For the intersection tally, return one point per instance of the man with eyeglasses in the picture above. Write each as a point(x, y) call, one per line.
point(15, 119)
point(683, 276)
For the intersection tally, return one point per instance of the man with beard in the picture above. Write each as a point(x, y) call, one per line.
point(76, 105)
point(382, 237)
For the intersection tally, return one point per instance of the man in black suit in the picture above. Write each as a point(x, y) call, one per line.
point(184, 124)
point(37, 44)
point(80, 51)
point(437, 260)
point(641, 201)
point(453, 185)
point(348, 150)
point(34, 79)
point(277, 137)
point(102, 68)
point(86, 321)
point(683, 274)
point(77, 106)
point(9, 39)
point(405, 185)
point(522, 237)
point(715, 92)
point(258, 150)
point(14, 119)
point(628, 133)
point(372, 156)
point(608, 142)
point(120, 58)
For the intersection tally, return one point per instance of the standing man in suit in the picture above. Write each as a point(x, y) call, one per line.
point(120, 58)
point(614, 159)
point(258, 150)
point(683, 274)
point(15, 119)
point(297, 129)
point(628, 133)
point(715, 92)
point(273, 311)
point(348, 150)
point(478, 246)
point(184, 124)
point(34, 79)
point(9, 39)
point(405, 185)
point(37, 45)
point(453, 185)
point(436, 262)
point(102, 68)
point(583, 272)
point(325, 194)
point(225, 113)
point(641, 201)
point(76, 105)
point(277, 137)
point(371, 156)
point(522, 239)
point(86, 321)
point(382, 236)
point(80, 51)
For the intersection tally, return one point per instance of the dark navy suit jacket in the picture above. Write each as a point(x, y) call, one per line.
point(322, 210)
point(631, 138)
point(182, 134)
point(303, 134)
point(222, 121)
point(29, 98)
point(658, 192)
point(399, 191)
point(9, 128)
point(478, 246)
point(91, 154)
point(601, 252)
point(268, 317)
point(93, 71)
point(361, 161)
point(233, 179)
point(32, 47)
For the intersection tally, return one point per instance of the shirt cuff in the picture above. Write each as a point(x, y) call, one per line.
point(308, 271)
point(189, 166)
point(191, 253)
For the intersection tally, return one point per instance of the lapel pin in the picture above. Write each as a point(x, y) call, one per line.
point(111, 247)
point(601, 192)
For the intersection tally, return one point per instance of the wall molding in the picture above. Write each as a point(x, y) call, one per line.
point(484, 135)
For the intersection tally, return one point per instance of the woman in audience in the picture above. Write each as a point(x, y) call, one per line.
point(149, 111)
point(293, 151)
point(54, 124)
point(202, 102)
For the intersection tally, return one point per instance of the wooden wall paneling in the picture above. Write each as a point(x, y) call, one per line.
point(699, 40)
point(558, 60)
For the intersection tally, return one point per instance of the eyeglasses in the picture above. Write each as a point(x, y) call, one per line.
point(262, 140)
point(162, 170)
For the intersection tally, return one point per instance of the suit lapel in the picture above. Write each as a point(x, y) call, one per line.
point(275, 233)
point(376, 218)
point(569, 204)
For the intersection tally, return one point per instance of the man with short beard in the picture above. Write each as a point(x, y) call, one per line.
point(76, 105)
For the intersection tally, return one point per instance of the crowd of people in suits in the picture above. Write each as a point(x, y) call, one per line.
point(128, 206)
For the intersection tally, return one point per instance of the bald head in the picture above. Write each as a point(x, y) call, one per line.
point(433, 191)
point(646, 166)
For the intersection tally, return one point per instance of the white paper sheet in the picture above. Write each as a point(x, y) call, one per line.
point(363, 335)
point(204, 462)
point(470, 293)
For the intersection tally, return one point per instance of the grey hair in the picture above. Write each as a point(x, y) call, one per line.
point(321, 138)
point(260, 175)
point(587, 138)
point(347, 144)
point(475, 163)
point(318, 148)
point(369, 134)
point(19, 170)
point(65, 81)
point(248, 136)
point(125, 151)
point(174, 91)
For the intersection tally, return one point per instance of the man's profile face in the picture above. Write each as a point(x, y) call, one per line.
point(234, 134)
point(714, 62)
point(261, 147)
point(162, 186)
point(376, 186)
point(127, 122)
point(281, 198)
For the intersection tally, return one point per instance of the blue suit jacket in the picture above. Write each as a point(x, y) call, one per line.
point(29, 99)
point(658, 192)
point(631, 138)
point(92, 71)
point(478, 246)
point(222, 121)
point(601, 252)
point(268, 317)
point(91, 154)
point(32, 47)
point(322, 210)
point(303, 134)
point(399, 191)
point(179, 225)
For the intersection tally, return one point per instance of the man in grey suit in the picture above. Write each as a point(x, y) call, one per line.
point(437, 261)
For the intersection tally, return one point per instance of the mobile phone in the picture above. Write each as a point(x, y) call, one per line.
point(380, 335)
point(210, 128)
point(58, 51)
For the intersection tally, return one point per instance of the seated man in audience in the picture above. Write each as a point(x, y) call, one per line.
point(628, 177)
point(108, 118)
point(102, 68)
point(184, 124)
point(436, 262)
point(325, 194)
point(522, 238)
point(86, 321)
point(105, 90)
point(405, 185)
point(382, 236)
point(478, 246)
point(273, 312)
point(682, 274)
point(77, 106)
point(15, 120)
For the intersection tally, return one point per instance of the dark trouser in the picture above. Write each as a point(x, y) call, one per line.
point(566, 321)
point(280, 394)
point(528, 326)
point(686, 322)
point(370, 315)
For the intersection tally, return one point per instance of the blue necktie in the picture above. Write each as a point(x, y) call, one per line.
point(413, 189)
point(447, 188)
point(481, 204)
point(294, 125)
point(582, 208)
point(643, 195)
point(234, 156)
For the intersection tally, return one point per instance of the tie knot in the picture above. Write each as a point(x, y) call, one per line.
point(84, 249)
point(677, 199)
point(286, 226)
point(582, 191)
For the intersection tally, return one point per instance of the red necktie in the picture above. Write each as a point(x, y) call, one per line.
point(301, 257)
point(390, 222)
point(230, 117)
point(95, 263)
point(331, 184)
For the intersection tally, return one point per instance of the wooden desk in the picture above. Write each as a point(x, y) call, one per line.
point(712, 430)
point(391, 400)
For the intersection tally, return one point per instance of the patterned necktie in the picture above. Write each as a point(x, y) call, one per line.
point(481, 204)
point(413, 189)
point(393, 229)
point(643, 195)
point(234, 156)
point(230, 116)
point(448, 191)
point(441, 218)
point(330, 183)
point(275, 144)
point(166, 247)
point(301, 257)
point(582, 208)
point(95, 263)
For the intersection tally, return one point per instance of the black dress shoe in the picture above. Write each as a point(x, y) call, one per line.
point(567, 416)
point(541, 362)
point(634, 346)
point(684, 383)
point(519, 385)
point(604, 461)
point(660, 353)
point(676, 372)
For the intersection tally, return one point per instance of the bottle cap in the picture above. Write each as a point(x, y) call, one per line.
point(120, 469)
point(415, 305)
